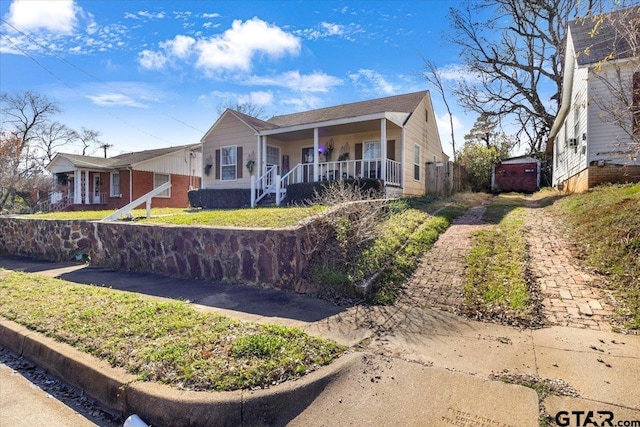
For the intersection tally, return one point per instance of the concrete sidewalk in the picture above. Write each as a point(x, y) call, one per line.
point(415, 365)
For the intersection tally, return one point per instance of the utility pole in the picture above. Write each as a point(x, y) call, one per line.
point(104, 147)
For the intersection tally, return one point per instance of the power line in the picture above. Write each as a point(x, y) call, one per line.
point(63, 59)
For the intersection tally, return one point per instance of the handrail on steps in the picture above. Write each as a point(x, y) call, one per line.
point(137, 202)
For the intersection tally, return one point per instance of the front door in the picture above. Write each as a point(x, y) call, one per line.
point(307, 164)
point(96, 189)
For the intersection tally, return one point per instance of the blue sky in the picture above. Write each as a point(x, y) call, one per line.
point(150, 74)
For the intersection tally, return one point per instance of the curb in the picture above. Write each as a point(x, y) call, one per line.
point(160, 404)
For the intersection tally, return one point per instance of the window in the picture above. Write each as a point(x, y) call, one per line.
point(371, 150)
point(158, 180)
point(115, 184)
point(273, 155)
point(228, 163)
point(416, 162)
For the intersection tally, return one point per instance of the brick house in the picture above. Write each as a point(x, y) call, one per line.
point(88, 182)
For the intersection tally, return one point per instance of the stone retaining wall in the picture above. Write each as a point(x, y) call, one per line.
point(274, 258)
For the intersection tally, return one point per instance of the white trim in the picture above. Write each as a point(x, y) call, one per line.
point(168, 175)
point(235, 164)
point(393, 117)
point(111, 189)
point(419, 164)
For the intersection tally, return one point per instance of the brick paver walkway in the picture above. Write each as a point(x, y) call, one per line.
point(571, 295)
point(439, 279)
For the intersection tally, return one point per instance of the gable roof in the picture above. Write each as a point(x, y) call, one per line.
point(398, 104)
point(593, 46)
point(120, 161)
point(396, 108)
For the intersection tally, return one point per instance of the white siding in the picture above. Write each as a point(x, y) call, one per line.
point(178, 163)
point(607, 140)
point(569, 160)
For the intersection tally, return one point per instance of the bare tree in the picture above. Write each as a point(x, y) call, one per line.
point(618, 70)
point(433, 76)
point(248, 108)
point(89, 138)
point(51, 136)
point(510, 57)
point(22, 115)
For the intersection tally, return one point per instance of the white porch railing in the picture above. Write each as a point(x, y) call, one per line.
point(327, 171)
point(264, 185)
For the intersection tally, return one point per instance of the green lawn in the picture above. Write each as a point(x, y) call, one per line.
point(269, 217)
point(166, 342)
point(604, 224)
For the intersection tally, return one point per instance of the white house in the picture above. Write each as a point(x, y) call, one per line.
point(592, 137)
point(387, 138)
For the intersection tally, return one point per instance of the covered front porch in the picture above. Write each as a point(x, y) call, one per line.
point(79, 187)
point(334, 151)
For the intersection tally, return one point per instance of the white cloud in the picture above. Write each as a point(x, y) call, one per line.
point(152, 60)
point(293, 80)
point(329, 29)
point(366, 78)
point(54, 16)
point(115, 100)
point(303, 103)
point(210, 15)
point(179, 47)
point(149, 15)
point(258, 98)
point(236, 48)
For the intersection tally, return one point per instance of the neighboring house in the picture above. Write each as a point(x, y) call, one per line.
point(331, 143)
point(519, 174)
point(88, 182)
point(591, 142)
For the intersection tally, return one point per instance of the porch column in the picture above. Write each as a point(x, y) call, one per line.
point(77, 189)
point(259, 156)
point(316, 166)
point(383, 149)
point(403, 161)
point(87, 193)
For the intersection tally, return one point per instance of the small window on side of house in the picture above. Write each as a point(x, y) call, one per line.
point(114, 184)
point(158, 180)
point(416, 162)
point(228, 163)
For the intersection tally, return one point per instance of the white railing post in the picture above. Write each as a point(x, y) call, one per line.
point(253, 191)
point(278, 189)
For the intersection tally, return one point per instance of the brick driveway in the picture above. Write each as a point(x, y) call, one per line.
point(571, 296)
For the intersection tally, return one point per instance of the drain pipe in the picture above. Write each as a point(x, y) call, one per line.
point(130, 184)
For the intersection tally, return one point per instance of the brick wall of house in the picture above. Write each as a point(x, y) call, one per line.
point(596, 175)
point(613, 174)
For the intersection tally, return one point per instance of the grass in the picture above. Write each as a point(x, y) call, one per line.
point(409, 231)
point(268, 217)
point(604, 224)
point(496, 283)
point(166, 342)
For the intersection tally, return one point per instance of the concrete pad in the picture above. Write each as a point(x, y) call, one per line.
point(565, 407)
point(602, 366)
point(41, 411)
point(386, 391)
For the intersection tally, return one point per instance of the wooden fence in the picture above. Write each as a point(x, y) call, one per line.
point(445, 178)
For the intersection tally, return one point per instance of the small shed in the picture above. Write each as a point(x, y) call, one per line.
point(518, 174)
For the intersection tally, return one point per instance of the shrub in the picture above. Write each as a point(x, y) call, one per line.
point(209, 198)
point(308, 192)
